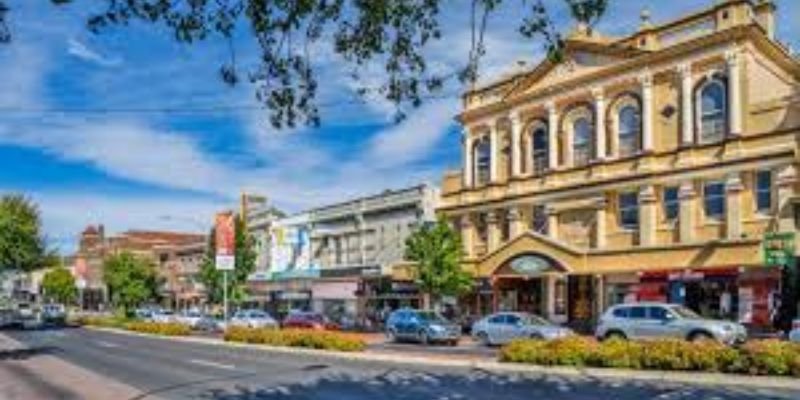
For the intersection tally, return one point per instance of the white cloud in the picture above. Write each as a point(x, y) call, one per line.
point(80, 50)
point(413, 138)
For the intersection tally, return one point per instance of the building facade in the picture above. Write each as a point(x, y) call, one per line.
point(176, 255)
point(338, 259)
point(644, 167)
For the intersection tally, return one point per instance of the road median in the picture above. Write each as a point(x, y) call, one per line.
point(494, 366)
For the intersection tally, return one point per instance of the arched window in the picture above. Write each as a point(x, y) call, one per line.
point(712, 108)
point(483, 158)
point(630, 124)
point(581, 141)
point(539, 149)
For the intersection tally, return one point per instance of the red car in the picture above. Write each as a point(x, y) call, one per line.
point(309, 320)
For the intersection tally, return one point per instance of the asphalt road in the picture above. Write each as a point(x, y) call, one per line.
point(171, 370)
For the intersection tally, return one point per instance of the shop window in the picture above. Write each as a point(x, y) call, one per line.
point(629, 130)
point(712, 103)
point(671, 203)
point(714, 199)
point(764, 191)
point(582, 142)
point(629, 210)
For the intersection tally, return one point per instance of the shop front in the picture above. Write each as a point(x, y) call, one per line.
point(743, 294)
point(531, 283)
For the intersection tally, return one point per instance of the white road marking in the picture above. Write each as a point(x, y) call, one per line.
point(211, 364)
point(105, 344)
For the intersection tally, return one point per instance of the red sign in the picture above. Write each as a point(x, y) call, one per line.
point(224, 234)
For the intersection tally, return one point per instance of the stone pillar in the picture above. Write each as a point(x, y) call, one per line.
point(468, 235)
point(516, 138)
point(551, 297)
point(687, 109)
point(647, 112)
point(494, 234)
point(686, 220)
point(516, 222)
point(786, 182)
point(599, 124)
point(600, 224)
point(552, 223)
point(494, 146)
point(733, 206)
point(648, 204)
point(734, 91)
point(469, 179)
point(600, 295)
point(553, 132)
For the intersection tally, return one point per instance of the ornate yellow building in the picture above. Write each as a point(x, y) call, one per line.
point(645, 167)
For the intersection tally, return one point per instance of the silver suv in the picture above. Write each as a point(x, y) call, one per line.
point(661, 320)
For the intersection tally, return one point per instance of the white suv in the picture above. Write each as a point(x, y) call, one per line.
point(253, 319)
point(661, 320)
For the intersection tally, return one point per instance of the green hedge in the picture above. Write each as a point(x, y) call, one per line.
point(323, 340)
point(159, 328)
point(97, 320)
point(760, 357)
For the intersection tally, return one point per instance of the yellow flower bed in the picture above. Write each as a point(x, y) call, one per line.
point(323, 340)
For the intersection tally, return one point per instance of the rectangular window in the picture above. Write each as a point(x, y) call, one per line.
point(629, 210)
point(714, 199)
point(764, 191)
point(539, 219)
point(671, 203)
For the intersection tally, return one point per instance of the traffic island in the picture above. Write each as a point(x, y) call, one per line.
point(309, 339)
point(758, 357)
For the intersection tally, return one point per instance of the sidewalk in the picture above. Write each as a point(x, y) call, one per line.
point(493, 366)
point(35, 373)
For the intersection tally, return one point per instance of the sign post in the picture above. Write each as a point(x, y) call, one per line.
point(225, 243)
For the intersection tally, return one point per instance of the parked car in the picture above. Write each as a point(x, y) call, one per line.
point(54, 314)
point(504, 327)
point(143, 313)
point(26, 316)
point(309, 320)
point(422, 326)
point(253, 319)
point(794, 335)
point(661, 320)
point(210, 324)
point(191, 318)
point(162, 316)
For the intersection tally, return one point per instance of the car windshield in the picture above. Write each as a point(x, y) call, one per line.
point(535, 320)
point(684, 312)
point(430, 316)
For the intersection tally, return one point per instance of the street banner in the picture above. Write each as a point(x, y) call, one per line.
point(225, 241)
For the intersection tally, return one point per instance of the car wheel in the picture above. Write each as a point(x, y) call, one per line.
point(700, 337)
point(392, 336)
point(424, 338)
point(615, 335)
point(483, 338)
point(536, 336)
point(453, 343)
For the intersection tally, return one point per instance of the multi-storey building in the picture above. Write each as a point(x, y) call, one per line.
point(176, 255)
point(643, 167)
point(338, 259)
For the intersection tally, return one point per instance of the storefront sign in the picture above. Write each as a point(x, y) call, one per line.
point(530, 265)
point(296, 274)
point(778, 248)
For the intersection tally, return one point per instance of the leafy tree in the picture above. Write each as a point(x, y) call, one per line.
point(131, 280)
point(22, 244)
point(58, 285)
point(245, 263)
point(287, 33)
point(436, 250)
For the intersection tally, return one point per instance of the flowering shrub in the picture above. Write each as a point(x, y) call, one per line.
point(159, 328)
point(323, 340)
point(763, 357)
point(98, 320)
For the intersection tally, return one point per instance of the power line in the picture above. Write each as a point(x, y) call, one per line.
point(210, 109)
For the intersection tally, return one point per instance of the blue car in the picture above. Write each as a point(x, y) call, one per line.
point(421, 326)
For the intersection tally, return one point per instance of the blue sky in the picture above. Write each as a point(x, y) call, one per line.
point(130, 169)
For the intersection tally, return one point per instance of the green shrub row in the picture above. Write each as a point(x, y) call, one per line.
point(98, 320)
point(159, 328)
point(322, 340)
point(760, 357)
